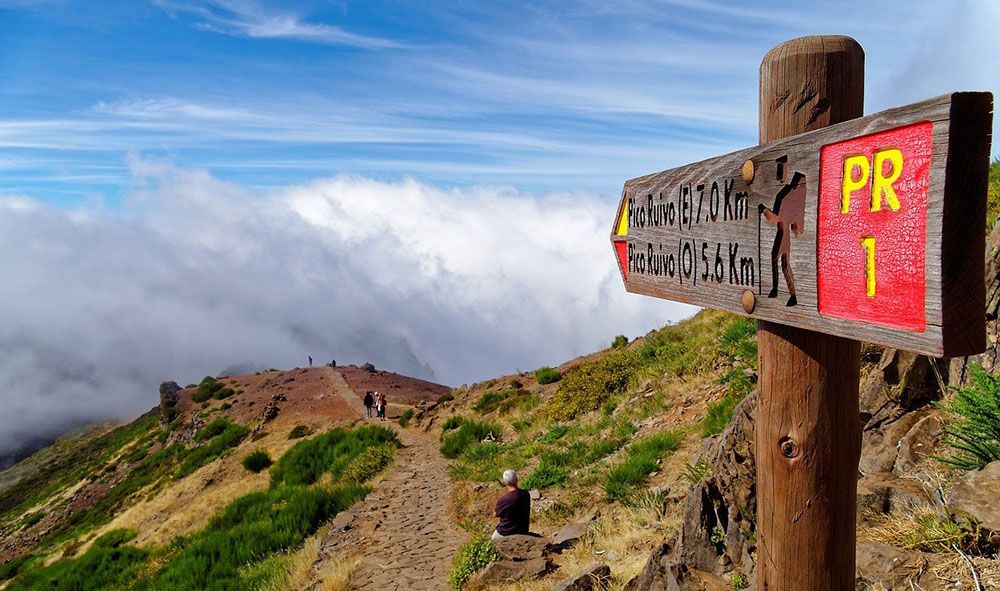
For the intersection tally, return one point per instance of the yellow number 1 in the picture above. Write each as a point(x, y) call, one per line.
point(868, 243)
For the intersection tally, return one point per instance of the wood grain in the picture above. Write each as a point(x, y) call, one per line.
point(954, 297)
point(808, 430)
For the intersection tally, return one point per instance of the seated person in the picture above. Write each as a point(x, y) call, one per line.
point(513, 508)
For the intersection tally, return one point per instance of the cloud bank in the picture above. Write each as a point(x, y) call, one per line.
point(193, 274)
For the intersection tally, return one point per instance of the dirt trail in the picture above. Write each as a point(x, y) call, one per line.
point(403, 522)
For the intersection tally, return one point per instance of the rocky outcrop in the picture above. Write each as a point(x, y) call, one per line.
point(718, 532)
point(975, 495)
point(595, 576)
point(522, 557)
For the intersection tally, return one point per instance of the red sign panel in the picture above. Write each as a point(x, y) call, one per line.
point(872, 227)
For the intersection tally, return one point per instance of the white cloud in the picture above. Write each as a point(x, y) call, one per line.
point(194, 274)
point(249, 19)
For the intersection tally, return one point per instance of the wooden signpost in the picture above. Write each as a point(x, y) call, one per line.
point(836, 229)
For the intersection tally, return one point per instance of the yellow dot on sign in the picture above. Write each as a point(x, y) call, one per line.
point(622, 229)
point(868, 243)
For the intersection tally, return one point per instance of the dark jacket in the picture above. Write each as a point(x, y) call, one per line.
point(369, 400)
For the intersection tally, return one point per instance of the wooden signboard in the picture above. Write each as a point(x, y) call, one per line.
point(871, 229)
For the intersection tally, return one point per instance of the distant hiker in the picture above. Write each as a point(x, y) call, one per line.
point(513, 508)
point(310, 361)
point(369, 402)
point(380, 405)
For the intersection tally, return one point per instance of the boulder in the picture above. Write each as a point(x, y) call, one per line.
point(368, 367)
point(169, 394)
point(521, 547)
point(882, 492)
point(571, 534)
point(506, 571)
point(975, 495)
point(595, 576)
point(916, 447)
point(887, 567)
point(342, 522)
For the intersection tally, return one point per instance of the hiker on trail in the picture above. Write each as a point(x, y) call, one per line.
point(380, 405)
point(310, 361)
point(369, 402)
point(513, 508)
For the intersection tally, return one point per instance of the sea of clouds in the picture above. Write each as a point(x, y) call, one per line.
point(191, 274)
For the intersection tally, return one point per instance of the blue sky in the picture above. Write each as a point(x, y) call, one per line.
point(535, 95)
point(187, 185)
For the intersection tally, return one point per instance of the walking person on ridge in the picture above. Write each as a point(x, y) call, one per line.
point(369, 402)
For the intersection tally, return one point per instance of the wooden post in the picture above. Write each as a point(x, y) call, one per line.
point(808, 432)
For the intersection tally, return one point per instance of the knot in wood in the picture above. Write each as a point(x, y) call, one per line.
point(789, 448)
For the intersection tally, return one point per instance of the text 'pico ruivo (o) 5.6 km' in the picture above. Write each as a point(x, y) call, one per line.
point(860, 229)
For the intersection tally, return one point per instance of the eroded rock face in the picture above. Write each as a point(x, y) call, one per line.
point(595, 576)
point(976, 495)
point(719, 514)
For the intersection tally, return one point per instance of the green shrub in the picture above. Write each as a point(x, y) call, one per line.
point(555, 433)
point(993, 196)
point(590, 384)
point(547, 375)
point(257, 460)
point(620, 342)
point(299, 431)
point(455, 441)
point(472, 557)
point(640, 460)
point(369, 463)
point(504, 400)
point(32, 518)
point(218, 443)
point(101, 567)
point(718, 416)
point(16, 566)
point(973, 433)
point(406, 417)
point(545, 475)
point(452, 422)
point(249, 530)
point(330, 452)
point(115, 538)
point(208, 388)
point(223, 393)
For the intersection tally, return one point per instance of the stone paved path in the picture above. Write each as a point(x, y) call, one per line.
point(403, 522)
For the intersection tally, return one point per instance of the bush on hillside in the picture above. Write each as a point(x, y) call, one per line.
point(208, 387)
point(973, 433)
point(452, 422)
point(369, 463)
point(504, 401)
point(406, 417)
point(640, 460)
point(547, 375)
point(221, 435)
point(454, 442)
point(591, 383)
point(330, 452)
point(620, 342)
point(299, 431)
point(545, 476)
point(257, 461)
point(472, 557)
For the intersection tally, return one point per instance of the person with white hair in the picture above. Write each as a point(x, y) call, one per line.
point(513, 508)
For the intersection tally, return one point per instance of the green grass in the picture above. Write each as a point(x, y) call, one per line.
point(330, 452)
point(719, 413)
point(299, 431)
point(406, 417)
point(485, 462)
point(973, 432)
point(472, 557)
point(626, 477)
point(555, 433)
point(455, 441)
point(217, 443)
point(452, 422)
point(504, 401)
point(257, 461)
point(547, 375)
point(236, 548)
point(545, 475)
